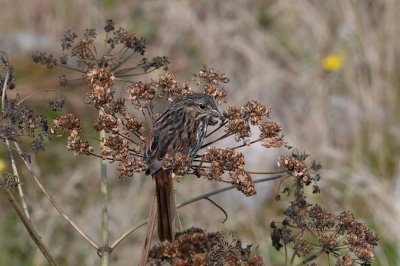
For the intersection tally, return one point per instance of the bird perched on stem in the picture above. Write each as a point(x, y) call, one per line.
point(181, 128)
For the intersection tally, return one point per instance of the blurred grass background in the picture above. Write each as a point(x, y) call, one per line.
point(273, 51)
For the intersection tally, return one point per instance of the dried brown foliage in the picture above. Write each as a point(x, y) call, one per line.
point(196, 247)
point(121, 120)
point(311, 229)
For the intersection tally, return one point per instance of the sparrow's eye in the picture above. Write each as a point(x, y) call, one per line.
point(202, 106)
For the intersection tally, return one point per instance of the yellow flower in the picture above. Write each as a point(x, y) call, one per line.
point(2, 165)
point(332, 62)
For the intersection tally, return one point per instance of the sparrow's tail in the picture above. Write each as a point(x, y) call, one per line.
point(165, 201)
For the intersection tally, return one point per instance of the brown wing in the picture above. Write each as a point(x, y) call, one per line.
point(176, 130)
point(164, 138)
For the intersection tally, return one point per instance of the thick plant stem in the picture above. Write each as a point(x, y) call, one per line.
point(31, 230)
point(105, 250)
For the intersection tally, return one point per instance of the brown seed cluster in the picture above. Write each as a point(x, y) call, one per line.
point(240, 120)
point(71, 124)
point(115, 148)
point(255, 111)
point(238, 123)
point(131, 165)
point(8, 182)
point(302, 247)
point(212, 82)
point(328, 242)
point(82, 49)
point(196, 247)
point(178, 162)
point(344, 261)
point(20, 123)
point(296, 168)
point(321, 218)
point(78, 145)
point(170, 88)
point(271, 135)
point(243, 181)
point(141, 94)
point(106, 122)
point(359, 238)
point(221, 160)
point(101, 84)
point(129, 40)
point(132, 124)
point(65, 123)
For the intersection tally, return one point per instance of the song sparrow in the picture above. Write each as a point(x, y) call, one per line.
point(181, 128)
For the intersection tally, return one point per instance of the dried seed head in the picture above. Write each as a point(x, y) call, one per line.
point(65, 123)
point(178, 162)
point(101, 83)
point(130, 165)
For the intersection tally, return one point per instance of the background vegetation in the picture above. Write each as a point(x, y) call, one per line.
point(328, 69)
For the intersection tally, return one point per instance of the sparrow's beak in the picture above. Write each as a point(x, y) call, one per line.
point(217, 113)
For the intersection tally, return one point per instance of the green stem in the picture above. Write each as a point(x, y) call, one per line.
point(105, 250)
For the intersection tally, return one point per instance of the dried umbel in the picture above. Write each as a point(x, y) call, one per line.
point(22, 124)
point(311, 229)
point(228, 160)
point(123, 117)
point(18, 121)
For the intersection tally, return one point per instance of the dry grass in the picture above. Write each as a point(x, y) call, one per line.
point(272, 50)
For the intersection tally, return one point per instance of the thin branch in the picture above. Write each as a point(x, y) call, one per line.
point(31, 230)
point(310, 258)
point(127, 233)
point(73, 67)
point(19, 185)
point(280, 183)
point(200, 197)
point(149, 233)
point(133, 75)
point(34, 94)
point(3, 96)
point(215, 130)
point(246, 144)
point(219, 207)
point(218, 139)
point(53, 202)
point(286, 255)
point(96, 155)
point(266, 173)
point(125, 137)
point(75, 79)
point(119, 64)
point(212, 193)
point(293, 256)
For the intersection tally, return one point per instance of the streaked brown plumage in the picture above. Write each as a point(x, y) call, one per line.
point(181, 128)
